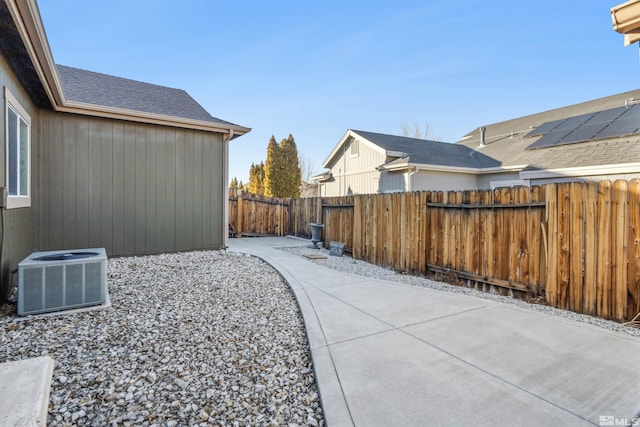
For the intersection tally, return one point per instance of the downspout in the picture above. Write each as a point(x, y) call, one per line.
point(226, 140)
point(409, 179)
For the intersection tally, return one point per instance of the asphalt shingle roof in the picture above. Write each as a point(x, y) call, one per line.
point(507, 141)
point(110, 91)
point(423, 151)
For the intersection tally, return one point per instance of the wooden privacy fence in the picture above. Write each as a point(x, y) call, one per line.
point(577, 242)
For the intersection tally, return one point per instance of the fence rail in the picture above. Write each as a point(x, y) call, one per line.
point(577, 242)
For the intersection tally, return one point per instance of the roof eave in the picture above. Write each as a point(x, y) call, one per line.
point(158, 119)
point(617, 169)
point(26, 16)
point(445, 168)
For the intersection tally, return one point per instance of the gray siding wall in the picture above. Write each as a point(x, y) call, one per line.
point(484, 181)
point(393, 182)
point(132, 188)
point(443, 181)
point(18, 226)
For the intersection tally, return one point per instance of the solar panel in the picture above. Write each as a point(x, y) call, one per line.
point(545, 128)
point(632, 112)
point(606, 116)
point(620, 127)
point(550, 139)
point(585, 132)
point(572, 123)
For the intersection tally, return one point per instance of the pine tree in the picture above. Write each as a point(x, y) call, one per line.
point(272, 169)
point(234, 184)
point(291, 168)
point(256, 179)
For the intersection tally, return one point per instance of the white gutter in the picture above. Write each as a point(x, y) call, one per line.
point(618, 169)
point(458, 169)
point(626, 20)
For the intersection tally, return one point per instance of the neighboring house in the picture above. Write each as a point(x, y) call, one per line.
point(93, 160)
point(594, 140)
point(367, 162)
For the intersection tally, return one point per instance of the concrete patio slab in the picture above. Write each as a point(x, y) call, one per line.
point(24, 391)
point(574, 365)
point(400, 305)
point(390, 354)
point(392, 379)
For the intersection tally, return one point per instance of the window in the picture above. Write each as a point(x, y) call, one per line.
point(18, 149)
point(354, 147)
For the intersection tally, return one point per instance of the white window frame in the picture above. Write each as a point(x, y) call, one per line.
point(16, 201)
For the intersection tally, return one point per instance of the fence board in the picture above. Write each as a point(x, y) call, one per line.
point(633, 275)
point(603, 273)
point(590, 196)
point(576, 244)
point(552, 246)
point(619, 249)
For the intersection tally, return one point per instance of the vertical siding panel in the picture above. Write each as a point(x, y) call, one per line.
point(187, 188)
point(107, 168)
point(150, 196)
point(55, 184)
point(95, 182)
point(218, 182)
point(119, 191)
point(129, 189)
point(198, 192)
point(140, 189)
point(82, 177)
point(170, 190)
point(162, 195)
point(68, 189)
point(181, 221)
point(207, 194)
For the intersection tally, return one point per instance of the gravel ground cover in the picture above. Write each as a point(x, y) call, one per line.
point(199, 338)
point(362, 268)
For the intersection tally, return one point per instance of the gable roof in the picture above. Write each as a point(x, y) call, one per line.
point(104, 90)
point(403, 152)
point(508, 141)
point(426, 152)
point(69, 89)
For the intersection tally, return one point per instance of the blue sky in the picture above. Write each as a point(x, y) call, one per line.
point(316, 69)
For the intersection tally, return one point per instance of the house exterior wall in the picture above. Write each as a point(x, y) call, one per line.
point(129, 187)
point(393, 182)
point(484, 181)
point(354, 174)
point(424, 180)
point(18, 226)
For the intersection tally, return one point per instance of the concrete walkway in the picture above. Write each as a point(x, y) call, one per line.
point(387, 354)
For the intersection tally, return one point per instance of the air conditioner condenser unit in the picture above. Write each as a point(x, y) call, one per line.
point(62, 280)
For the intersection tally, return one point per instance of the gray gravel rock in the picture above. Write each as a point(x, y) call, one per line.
point(198, 338)
point(362, 268)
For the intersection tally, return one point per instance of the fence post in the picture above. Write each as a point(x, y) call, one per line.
point(240, 216)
